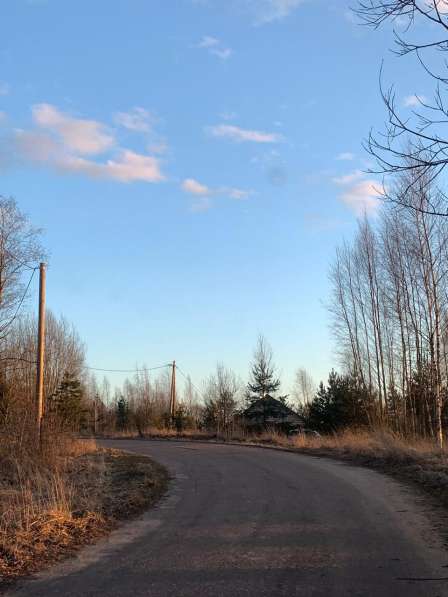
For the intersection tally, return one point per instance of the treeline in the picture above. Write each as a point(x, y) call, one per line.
point(390, 312)
point(66, 400)
point(142, 404)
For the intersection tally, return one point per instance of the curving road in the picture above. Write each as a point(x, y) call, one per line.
point(251, 522)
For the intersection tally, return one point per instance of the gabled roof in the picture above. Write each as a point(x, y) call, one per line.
point(270, 404)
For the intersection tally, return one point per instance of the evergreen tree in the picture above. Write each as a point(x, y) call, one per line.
point(122, 413)
point(264, 382)
point(68, 402)
point(180, 418)
point(342, 403)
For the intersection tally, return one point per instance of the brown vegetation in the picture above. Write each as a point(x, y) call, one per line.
point(67, 497)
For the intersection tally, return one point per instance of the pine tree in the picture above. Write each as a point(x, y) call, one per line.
point(342, 403)
point(122, 413)
point(263, 382)
point(68, 402)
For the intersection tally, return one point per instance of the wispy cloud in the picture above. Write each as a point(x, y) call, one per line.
point(412, 101)
point(79, 135)
point(61, 142)
point(4, 88)
point(141, 120)
point(349, 178)
point(267, 11)
point(215, 47)
point(361, 195)
point(137, 119)
point(261, 11)
point(345, 156)
point(127, 167)
point(204, 193)
point(442, 5)
point(192, 186)
point(240, 135)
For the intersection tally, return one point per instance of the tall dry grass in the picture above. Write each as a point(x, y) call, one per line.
point(40, 498)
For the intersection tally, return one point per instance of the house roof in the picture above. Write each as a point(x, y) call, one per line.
point(272, 405)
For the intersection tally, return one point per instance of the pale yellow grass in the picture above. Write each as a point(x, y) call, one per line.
point(37, 500)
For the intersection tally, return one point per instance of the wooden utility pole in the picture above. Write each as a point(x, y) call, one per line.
point(41, 349)
point(173, 392)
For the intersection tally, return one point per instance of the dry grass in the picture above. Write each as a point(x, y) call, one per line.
point(65, 497)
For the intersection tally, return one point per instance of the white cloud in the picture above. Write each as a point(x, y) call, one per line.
point(81, 136)
point(345, 156)
point(208, 42)
point(4, 88)
point(261, 11)
point(267, 11)
point(362, 195)
point(3, 117)
point(222, 53)
point(239, 135)
point(442, 5)
point(238, 193)
point(138, 119)
point(159, 147)
point(129, 167)
point(214, 46)
point(349, 178)
point(66, 142)
point(411, 101)
point(192, 186)
point(204, 193)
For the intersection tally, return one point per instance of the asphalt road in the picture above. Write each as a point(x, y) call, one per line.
point(243, 521)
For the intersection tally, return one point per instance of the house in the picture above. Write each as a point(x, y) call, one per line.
point(272, 414)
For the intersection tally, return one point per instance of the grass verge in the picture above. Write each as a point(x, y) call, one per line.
point(47, 512)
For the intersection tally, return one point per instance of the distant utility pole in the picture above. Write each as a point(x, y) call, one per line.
point(173, 391)
point(41, 349)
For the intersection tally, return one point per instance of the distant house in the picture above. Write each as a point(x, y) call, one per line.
point(269, 413)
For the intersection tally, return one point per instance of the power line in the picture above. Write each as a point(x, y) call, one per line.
point(14, 317)
point(188, 378)
point(141, 370)
point(22, 263)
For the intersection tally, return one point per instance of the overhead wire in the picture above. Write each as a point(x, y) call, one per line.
point(188, 378)
point(14, 317)
point(22, 263)
point(140, 370)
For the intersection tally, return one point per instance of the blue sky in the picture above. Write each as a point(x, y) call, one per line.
point(194, 164)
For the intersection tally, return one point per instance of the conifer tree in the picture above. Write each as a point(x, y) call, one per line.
point(68, 402)
point(263, 383)
point(122, 413)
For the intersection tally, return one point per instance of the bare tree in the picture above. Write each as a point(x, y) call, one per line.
point(222, 398)
point(416, 144)
point(20, 250)
point(390, 313)
point(304, 387)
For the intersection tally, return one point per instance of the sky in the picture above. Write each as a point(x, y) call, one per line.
point(193, 165)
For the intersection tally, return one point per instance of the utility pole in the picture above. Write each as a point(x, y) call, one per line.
point(41, 350)
point(173, 392)
point(95, 415)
